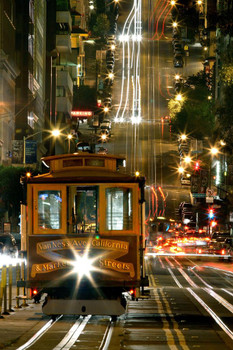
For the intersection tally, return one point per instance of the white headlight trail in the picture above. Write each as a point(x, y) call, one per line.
point(123, 62)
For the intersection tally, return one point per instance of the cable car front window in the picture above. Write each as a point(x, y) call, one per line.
point(119, 209)
point(83, 209)
point(49, 209)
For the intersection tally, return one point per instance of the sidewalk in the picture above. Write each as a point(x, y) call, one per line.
point(22, 323)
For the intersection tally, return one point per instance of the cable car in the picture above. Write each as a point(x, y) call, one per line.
point(85, 234)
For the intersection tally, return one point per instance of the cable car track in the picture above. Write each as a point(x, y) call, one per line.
point(73, 334)
point(199, 289)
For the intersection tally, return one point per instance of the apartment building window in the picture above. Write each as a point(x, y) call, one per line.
point(30, 44)
point(30, 81)
point(61, 92)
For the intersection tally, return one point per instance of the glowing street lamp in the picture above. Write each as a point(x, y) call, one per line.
point(69, 137)
point(106, 109)
point(177, 77)
point(222, 143)
point(179, 98)
point(187, 159)
point(214, 151)
point(104, 137)
point(173, 2)
point(54, 132)
point(180, 170)
point(199, 2)
point(174, 24)
point(110, 75)
point(137, 173)
point(113, 47)
point(183, 137)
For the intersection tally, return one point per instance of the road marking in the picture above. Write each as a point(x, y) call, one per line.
point(180, 335)
point(168, 333)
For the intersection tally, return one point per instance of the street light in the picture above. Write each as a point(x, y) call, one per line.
point(187, 159)
point(183, 137)
point(174, 24)
point(177, 77)
point(222, 143)
point(110, 75)
point(214, 151)
point(180, 170)
point(179, 98)
point(69, 137)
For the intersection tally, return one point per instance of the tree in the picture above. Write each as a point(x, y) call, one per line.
point(11, 192)
point(102, 26)
point(195, 116)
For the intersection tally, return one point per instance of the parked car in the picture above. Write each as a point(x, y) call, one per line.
point(105, 125)
point(178, 61)
point(8, 245)
point(185, 181)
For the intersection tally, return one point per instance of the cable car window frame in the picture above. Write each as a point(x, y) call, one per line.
point(103, 208)
point(63, 212)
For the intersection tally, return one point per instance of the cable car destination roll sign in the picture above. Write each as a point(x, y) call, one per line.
point(112, 250)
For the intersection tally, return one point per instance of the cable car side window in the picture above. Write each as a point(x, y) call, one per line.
point(119, 209)
point(49, 209)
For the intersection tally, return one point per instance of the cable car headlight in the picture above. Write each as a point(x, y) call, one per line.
point(83, 265)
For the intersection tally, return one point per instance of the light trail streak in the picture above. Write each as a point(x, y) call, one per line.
point(160, 90)
point(157, 24)
point(128, 65)
point(155, 8)
point(156, 198)
point(164, 20)
point(123, 61)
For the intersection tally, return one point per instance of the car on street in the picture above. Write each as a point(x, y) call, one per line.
point(178, 61)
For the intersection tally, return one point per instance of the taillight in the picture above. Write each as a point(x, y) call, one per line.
point(34, 292)
point(223, 252)
point(199, 251)
point(132, 292)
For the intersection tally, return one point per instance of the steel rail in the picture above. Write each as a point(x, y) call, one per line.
point(39, 334)
point(216, 318)
point(70, 338)
point(107, 336)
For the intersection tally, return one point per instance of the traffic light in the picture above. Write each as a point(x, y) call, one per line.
point(197, 166)
point(99, 103)
point(211, 213)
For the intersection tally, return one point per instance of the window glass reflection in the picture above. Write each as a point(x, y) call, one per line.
point(119, 209)
point(49, 209)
